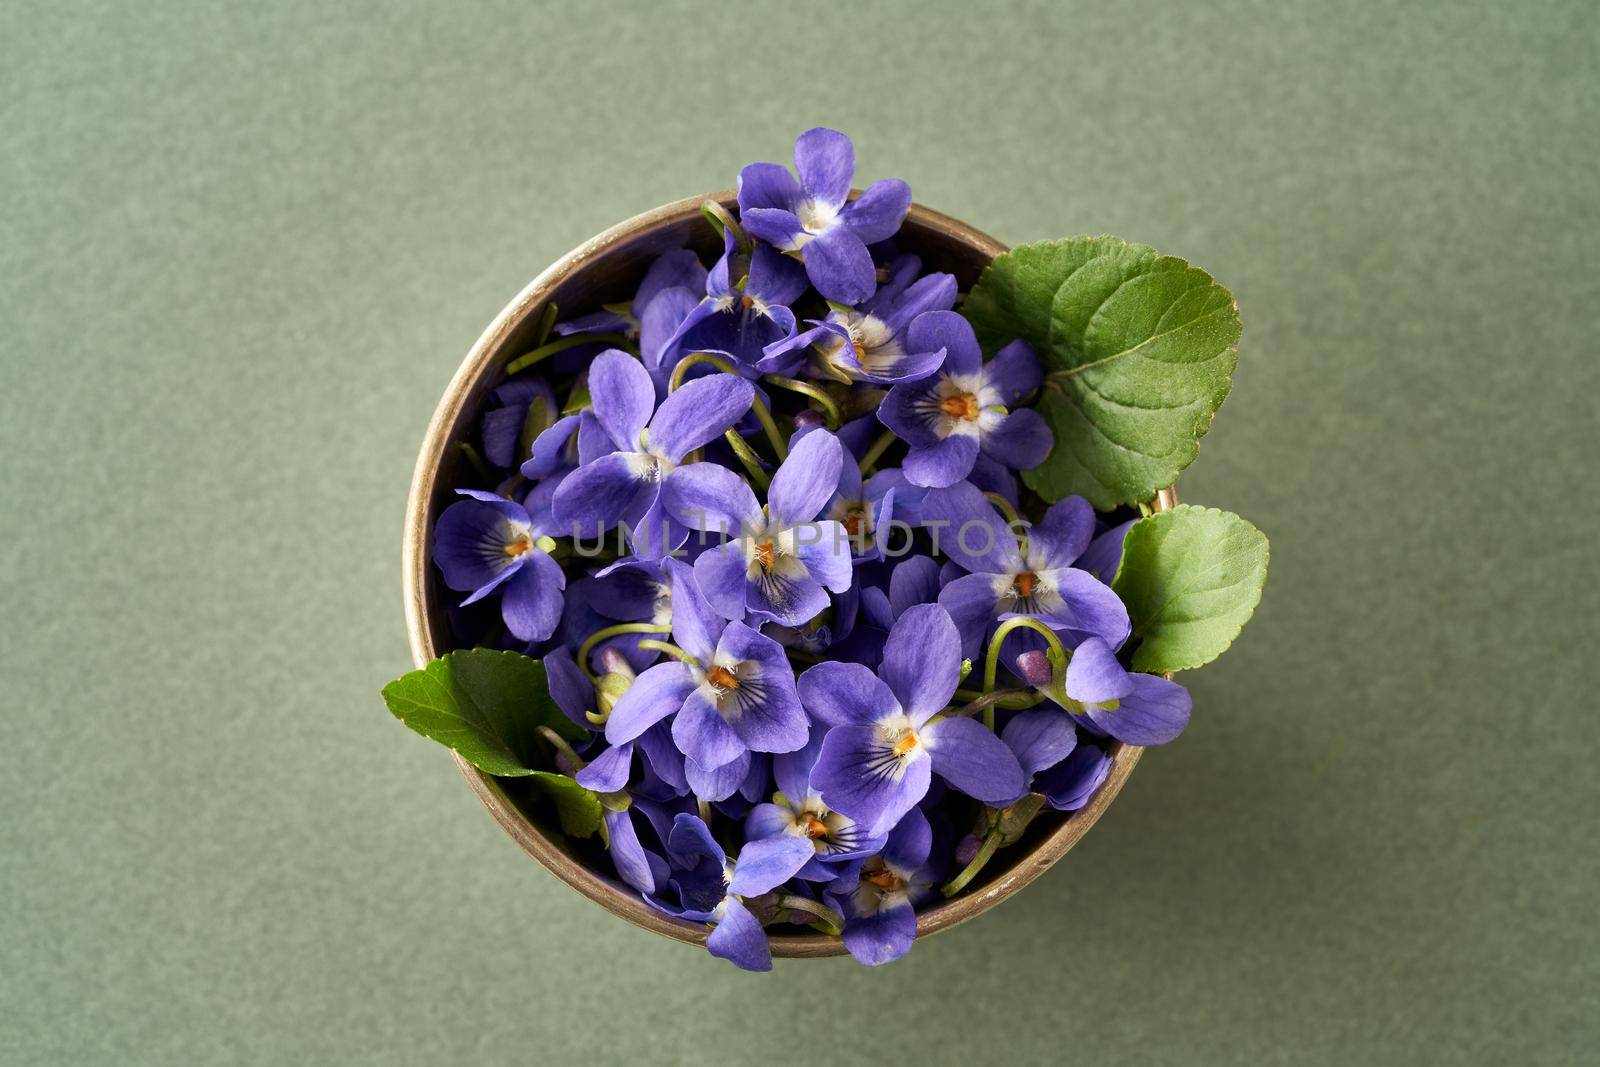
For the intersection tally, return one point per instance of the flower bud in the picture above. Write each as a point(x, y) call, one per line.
point(1034, 668)
point(807, 417)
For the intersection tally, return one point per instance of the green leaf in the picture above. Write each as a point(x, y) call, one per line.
point(1139, 351)
point(1191, 578)
point(578, 809)
point(484, 704)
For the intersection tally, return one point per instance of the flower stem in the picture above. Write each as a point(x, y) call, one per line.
point(559, 743)
point(875, 453)
point(1016, 699)
point(670, 649)
point(615, 631)
point(829, 408)
point(748, 457)
point(991, 842)
point(547, 321)
point(561, 344)
point(991, 663)
point(475, 461)
point(828, 920)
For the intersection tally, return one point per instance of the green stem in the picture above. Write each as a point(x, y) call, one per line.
point(475, 461)
point(815, 392)
point(561, 344)
point(991, 663)
point(748, 457)
point(826, 917)
point(559, 743)
point(875, 453)
point(991, 842)
point(547, 322)
point(1015, 699)
point(614, 631)
point(670, 649)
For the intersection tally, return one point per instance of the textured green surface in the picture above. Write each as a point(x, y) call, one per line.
point(241, 253)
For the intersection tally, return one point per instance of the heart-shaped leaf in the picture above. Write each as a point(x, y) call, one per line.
point(578, 809)
point(1191, 578)
point(1139, 351)
point(486, 705)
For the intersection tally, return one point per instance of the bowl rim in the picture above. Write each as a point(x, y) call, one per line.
point(486, 356)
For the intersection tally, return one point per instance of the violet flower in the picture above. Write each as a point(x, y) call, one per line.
point(1006, 578)
point(650, 443)
point(1139, 709)
point(812, 218)
point(868, 343)
point(780, 563)
point(964, 409)
point(878, 759)
point(487, 543)
point(736, 694)
point(877, 896)
point(712, 889)
point(798, 810)
point(739, 322)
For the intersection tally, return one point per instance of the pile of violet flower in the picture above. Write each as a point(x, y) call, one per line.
point(761, 525)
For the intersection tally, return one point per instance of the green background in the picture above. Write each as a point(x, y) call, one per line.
point(243, 250)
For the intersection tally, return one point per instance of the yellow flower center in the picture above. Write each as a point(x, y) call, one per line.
point(518, 547)
point(722, 678)
point(962, 406)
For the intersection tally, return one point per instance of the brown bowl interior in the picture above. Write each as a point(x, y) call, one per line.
point(603, 270)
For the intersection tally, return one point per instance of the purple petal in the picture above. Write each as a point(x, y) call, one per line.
point(569, 687)
point(776, 226)
point(695, 626)
point(1014, 373)
point(913, 581)
point(663, 757)
point(597, 496)
point(1088, 607)
point(775, 279)
point(608, 772)
point(789, 597)
point(655, 533)
point(629, 857)
point(922, 661)
point(858, 775)
point(470, 541)
point(703, 735)
point(699, 412)
point(840, 266)
point(551, 449)
point(666, 318)
point(825, 161)
point(906, 849)
point(766, 820)
point(1021, 440)
point(971, 601)
point(1061, 537)
point(711, 498)
point(1069, 784)
point(531, 605)
point(767, 185)
point(943, 464)
point(883, 936)
point(842, 694)
point(654, 695)
point(1040, 738)
point(951, 332)
point(764, 865)
point(908, 498)
point(802, 485)
point(933, 292)
point(593, 441)
point(767, 715)
point(1104, 553)
point(911, 410)
point(740, 940)
point(716, 783)
point(1153, 713)
point(720, 575)
point(973, 760)
point(792, 770)
point(1094, 676)
point(973, 534)
point(877, 213)
point(824, 548)
point(622, 396)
